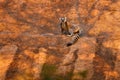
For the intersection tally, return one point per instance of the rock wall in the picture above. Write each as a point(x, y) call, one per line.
point(32, 47)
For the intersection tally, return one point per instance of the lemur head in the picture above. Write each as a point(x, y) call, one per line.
point(63, 19)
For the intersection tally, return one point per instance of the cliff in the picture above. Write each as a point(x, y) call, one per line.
point(32, 47)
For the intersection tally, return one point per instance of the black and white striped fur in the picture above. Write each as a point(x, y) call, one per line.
point(74, 31)
point(75, 37)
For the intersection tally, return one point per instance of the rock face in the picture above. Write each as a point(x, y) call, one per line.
point(79, 60)
point(32, 47)
point(6, 57)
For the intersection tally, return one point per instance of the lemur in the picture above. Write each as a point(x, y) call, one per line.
point(64, 26)
point(75, 31)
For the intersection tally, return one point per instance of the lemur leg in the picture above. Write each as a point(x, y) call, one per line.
point(71, 33)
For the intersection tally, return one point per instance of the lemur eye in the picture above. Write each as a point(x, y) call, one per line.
point(62, 19)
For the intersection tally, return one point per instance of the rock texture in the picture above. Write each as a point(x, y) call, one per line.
point(6, 57)
point(79, 60)
point(32, 47)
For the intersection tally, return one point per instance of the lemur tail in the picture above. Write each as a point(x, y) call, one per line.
point(75, 38)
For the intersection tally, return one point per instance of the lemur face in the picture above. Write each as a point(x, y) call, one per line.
point(63, 19)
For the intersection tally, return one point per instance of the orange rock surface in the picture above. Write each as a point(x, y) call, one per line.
point(32, 47)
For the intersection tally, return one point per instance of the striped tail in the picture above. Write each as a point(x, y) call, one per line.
point(75, 39)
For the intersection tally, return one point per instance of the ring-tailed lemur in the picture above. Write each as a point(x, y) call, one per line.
point(64, 26)
point(75, 31)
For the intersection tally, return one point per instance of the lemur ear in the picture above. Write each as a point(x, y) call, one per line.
point(60, 19)
point(65, 18)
